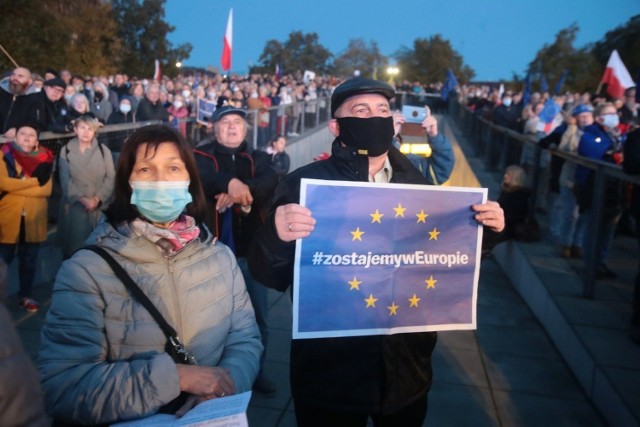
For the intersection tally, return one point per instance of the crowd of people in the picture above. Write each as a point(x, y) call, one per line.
point(593, 126)
point(202, 232)
point(179, 223)
point(57, 99)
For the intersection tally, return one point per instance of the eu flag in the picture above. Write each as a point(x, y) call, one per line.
point(526, 96)
point(385, 259)
point(544, 86)
point(449, 85)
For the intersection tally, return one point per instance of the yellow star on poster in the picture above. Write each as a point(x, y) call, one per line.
point(355, 284)
point(357, 235)
point(375, 217)
point(393, 309)
point(413, 301)
point(422, 216)
point(371, 301)
point(399, 210)
point(431, 283)
point(433, 234)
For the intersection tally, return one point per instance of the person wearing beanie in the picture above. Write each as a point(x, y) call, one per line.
point(572, 228)
point(347, 380)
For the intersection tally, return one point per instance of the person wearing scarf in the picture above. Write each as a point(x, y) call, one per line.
point(103, 357)
point(25, 185)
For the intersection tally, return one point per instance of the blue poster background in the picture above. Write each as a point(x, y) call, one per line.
point(358, 221)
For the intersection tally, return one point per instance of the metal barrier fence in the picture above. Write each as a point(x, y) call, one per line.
point(500, 147)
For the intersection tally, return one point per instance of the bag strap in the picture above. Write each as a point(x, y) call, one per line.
point(135, 290)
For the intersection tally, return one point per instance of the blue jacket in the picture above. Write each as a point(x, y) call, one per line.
point(437, 167)
point(594, 144)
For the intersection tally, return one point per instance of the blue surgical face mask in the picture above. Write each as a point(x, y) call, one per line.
point(506, 102)
point(610, 120)
point(160, 201)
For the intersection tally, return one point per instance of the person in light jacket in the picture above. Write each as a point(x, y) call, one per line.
point(102, 357)
point(86, 171)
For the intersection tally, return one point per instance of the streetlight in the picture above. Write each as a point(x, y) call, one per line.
point(178, 64)
point(393, 72)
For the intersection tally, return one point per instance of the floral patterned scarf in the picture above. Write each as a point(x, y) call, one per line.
point(169, 240)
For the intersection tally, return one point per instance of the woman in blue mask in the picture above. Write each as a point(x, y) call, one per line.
point(103, 356)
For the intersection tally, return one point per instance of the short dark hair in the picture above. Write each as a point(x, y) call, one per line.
point(121, 210)
point(275, 139)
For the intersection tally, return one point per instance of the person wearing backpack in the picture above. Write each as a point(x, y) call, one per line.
point(86, 174)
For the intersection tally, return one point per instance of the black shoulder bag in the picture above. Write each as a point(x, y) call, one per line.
point(174, 347)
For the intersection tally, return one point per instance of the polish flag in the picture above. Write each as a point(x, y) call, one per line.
point(616, 76)
point(157, 73)
point(228, 43)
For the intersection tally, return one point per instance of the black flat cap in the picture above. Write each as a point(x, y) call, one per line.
point(56, 82)
point(358, 86)
point(223, 111)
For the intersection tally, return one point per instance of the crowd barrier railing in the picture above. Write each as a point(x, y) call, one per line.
point(500, 147)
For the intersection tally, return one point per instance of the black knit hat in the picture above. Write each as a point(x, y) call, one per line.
point(56, 82)
point(358, 86)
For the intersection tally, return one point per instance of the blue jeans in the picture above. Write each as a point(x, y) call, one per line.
point(258, 293)
point(27, 257)
point(572, 224)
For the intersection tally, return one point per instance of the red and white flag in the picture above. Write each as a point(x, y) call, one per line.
point(157, 73)
point(228, 43)
point(616, 76)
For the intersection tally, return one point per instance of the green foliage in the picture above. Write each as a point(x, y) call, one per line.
point(363, 57)
point(300, 52)
point(59, 34)
point(554, 58)
point(89, 37)
point(429, 61)
point(626, 39)
point(144, 31)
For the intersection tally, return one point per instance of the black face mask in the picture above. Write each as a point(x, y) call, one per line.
point(372, 136)
point(98, 96)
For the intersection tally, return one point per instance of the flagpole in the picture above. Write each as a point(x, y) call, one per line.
point(599, 88)
point(9, 56)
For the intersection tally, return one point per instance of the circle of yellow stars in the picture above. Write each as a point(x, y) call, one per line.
point(376, 217)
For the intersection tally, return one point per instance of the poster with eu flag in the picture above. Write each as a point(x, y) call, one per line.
point(386, 259)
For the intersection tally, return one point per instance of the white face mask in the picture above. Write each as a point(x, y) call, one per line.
point(177, 104)
point(186, 93)
point(610, 120)
point(125, 108)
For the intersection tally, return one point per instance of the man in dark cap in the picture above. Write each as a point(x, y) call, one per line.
point(345, 381)
point(238, 184)
point(54, 105)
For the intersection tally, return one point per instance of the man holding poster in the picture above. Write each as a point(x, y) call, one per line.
point(344, 381)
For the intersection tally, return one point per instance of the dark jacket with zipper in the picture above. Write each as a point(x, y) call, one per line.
point(378, 373)
point(217, 166)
